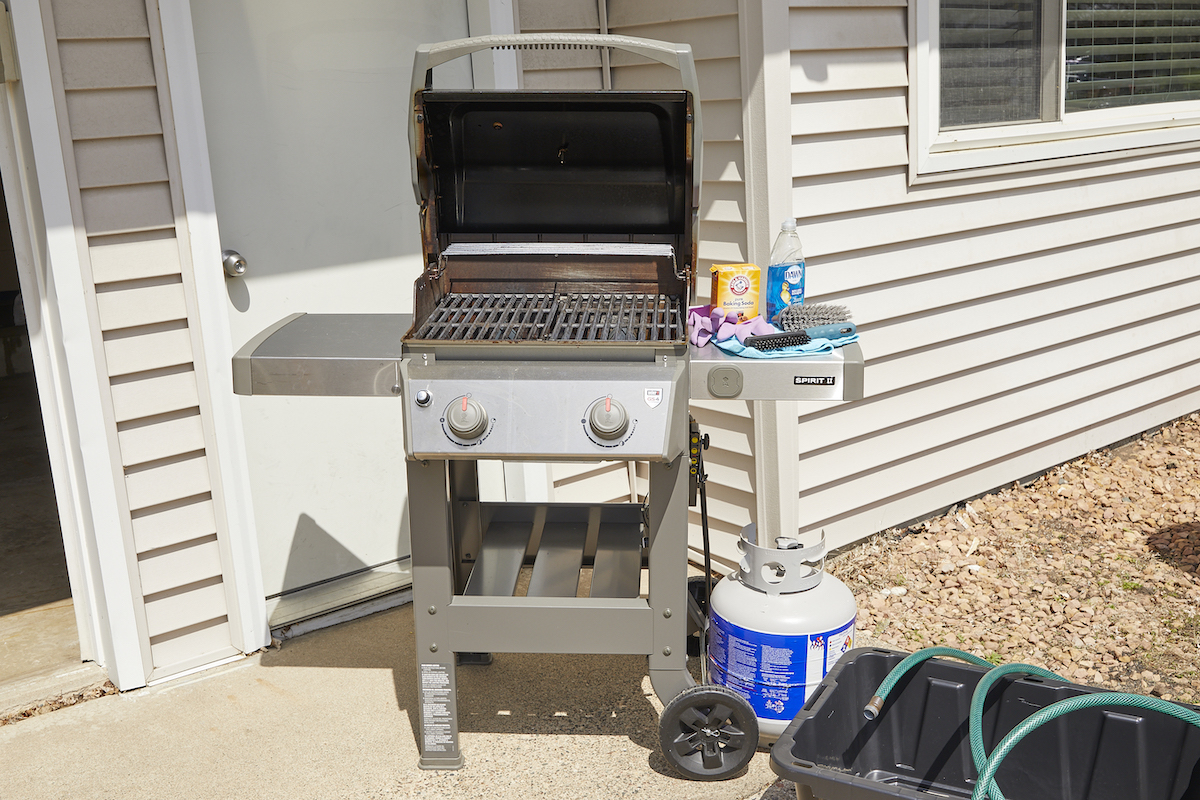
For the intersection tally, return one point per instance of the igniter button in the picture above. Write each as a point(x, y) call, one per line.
point(424, 398)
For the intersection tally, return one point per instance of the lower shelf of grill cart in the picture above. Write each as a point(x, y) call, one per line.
point(555, 578)
point(563, 541)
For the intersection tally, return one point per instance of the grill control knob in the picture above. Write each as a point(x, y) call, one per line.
point(608, 419)
point(466, 418)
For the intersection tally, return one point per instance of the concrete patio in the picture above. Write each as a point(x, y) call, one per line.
point(331, 714)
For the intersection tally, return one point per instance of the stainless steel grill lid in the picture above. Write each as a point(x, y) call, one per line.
point(557, 162)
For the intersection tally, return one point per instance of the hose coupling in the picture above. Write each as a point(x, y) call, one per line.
point(871, 710)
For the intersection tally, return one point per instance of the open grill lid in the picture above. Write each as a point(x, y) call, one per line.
point(586, 196)
point(614, 163)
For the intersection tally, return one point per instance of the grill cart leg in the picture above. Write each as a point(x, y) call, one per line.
point(433, 586)
point(707, 732)
point(668, 578)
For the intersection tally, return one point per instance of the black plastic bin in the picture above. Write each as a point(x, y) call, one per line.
point(918, 746)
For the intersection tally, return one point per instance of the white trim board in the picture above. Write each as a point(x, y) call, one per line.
point(249, 630)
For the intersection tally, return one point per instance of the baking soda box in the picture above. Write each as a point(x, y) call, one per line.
point(735, 288)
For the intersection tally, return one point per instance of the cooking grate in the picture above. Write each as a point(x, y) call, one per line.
point(555, 317)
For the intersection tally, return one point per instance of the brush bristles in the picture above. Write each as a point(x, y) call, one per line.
point(799, 317)
point(776, 341)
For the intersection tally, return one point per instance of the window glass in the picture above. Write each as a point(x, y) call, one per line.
point(1130, 53)
point(991, 62)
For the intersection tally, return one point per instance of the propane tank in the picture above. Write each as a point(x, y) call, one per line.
point(776, 627)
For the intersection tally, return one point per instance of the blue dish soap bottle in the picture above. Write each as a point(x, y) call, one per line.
point(785, 274)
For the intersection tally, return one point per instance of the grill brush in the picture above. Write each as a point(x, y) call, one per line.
point(802, 324)
point(801, 317)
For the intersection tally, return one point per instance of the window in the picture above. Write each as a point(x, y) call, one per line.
point(1015, 81)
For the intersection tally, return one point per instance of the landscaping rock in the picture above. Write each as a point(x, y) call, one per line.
point(1091, 571)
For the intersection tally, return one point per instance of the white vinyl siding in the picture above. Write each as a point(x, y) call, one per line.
point(127, 206)
point(711, 28)
point(1010, 323)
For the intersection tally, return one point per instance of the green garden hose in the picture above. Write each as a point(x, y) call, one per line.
point(871, 710)
point(975, 718)
point(987, 765)
point(1042, 716)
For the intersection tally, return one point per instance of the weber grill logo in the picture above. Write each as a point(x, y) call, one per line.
point(815, 380)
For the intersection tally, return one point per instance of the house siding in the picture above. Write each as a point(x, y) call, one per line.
point(711, 27)
point(123, 175)
point(1010, 322)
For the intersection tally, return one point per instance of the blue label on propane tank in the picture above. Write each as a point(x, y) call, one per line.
point(774, 672)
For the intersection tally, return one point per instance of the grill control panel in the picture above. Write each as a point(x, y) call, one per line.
point(551, 410)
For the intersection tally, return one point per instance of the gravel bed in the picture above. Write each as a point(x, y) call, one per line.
point(1091, 570)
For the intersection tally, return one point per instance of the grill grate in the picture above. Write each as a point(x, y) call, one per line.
point(555, 317)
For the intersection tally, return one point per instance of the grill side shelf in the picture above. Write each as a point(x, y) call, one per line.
point(324, 355)
point(836, 376)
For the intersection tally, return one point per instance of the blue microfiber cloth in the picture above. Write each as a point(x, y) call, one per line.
point(815, 346)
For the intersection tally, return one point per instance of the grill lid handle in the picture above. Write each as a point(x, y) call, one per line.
point(676, 56)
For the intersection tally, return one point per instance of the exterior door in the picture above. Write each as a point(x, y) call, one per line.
point(305, 107)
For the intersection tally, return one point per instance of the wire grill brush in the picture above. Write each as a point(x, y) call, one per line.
point(802, 324)
point(775, 341)
point(804, 317)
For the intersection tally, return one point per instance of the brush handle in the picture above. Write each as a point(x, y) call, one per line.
point(834, 330)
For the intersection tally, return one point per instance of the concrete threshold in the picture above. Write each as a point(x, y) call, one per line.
point(35, 690)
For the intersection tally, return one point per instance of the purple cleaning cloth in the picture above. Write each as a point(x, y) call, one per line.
point(706, 323)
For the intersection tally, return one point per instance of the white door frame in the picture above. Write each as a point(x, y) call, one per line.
point(250, 631)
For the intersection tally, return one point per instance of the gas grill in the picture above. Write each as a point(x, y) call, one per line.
point(559, 244)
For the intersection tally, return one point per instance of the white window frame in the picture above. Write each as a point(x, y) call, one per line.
point(1078, 136)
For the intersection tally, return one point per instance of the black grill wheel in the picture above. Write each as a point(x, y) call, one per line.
point(708, 733)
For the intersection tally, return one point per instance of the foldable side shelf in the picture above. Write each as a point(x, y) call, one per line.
point(324, 355)
point(617, 571)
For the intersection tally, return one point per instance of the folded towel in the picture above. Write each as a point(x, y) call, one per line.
point(707, 323)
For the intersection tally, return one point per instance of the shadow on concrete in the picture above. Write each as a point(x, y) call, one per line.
point(524, 694)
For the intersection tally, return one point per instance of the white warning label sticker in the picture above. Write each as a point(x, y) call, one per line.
point(437, 725)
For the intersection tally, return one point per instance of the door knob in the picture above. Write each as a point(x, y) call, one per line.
point(235, 265)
